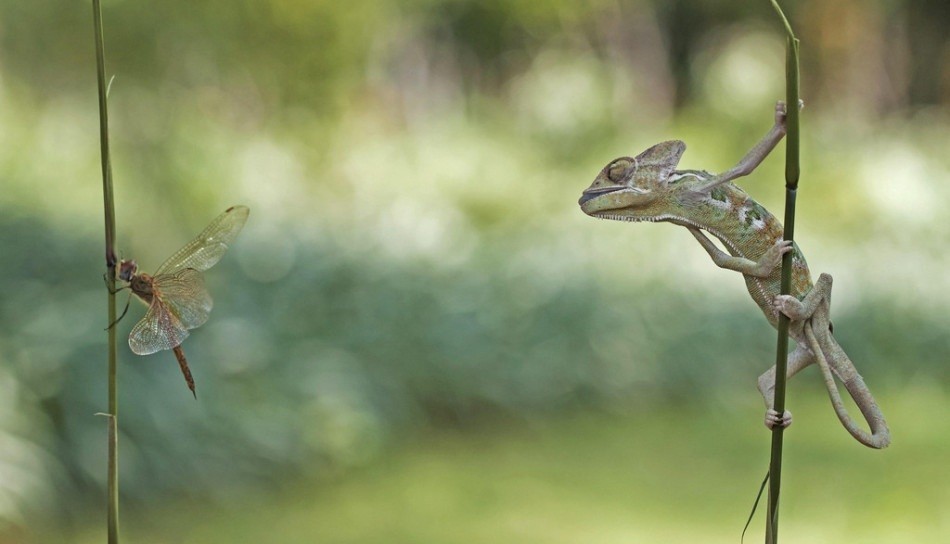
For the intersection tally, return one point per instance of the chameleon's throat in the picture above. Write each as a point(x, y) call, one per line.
point(679, 220)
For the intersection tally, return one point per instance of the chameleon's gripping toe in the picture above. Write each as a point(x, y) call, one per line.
point(772, 418)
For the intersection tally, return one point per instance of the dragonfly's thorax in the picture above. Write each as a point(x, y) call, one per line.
point(142, 285)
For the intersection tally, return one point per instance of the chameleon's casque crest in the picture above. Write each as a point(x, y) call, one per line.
point(658, 162)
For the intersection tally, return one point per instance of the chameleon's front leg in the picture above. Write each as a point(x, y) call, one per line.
point(759, 269)
point(757, 154)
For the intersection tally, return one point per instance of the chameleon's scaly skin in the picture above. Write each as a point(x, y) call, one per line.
point(648, 188)
point(743, 225)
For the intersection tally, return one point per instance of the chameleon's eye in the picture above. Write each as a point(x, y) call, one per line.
point(617, 168)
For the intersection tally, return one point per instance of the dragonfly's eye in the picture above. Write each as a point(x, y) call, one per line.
point(617, 169)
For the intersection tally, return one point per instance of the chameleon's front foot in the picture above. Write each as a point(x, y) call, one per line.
point(772, 258)
point(781, 111)
point(772, 418)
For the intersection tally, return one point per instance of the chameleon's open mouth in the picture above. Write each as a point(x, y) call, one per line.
point(590, 194)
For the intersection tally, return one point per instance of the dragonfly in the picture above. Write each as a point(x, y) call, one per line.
point(175, 295)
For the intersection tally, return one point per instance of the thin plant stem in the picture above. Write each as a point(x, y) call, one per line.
point(112, 500)
point(792, 173)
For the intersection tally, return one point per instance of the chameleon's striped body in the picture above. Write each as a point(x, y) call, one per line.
point(745, 228)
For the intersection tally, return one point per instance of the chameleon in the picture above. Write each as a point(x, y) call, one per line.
point(649, 188)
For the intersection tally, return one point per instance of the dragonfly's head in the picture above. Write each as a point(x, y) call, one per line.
point(127, 269)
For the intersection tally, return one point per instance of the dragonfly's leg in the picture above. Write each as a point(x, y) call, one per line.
point(110, 285)
point(125, 311)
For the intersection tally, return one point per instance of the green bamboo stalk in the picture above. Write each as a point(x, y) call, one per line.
point(112, 500)
point(792, 173)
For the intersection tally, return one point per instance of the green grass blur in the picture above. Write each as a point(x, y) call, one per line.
point(418, 337)
point(673, 475)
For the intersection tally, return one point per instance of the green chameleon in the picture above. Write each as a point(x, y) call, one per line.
point(649, 188)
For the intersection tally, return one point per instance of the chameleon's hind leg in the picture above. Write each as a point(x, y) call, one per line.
point(797, 360)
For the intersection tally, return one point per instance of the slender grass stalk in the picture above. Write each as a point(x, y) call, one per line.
point(792, 172)
point(112, 501)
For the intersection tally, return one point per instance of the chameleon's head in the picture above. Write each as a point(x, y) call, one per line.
point(634, 189)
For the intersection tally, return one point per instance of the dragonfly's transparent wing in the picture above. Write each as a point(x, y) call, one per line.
point(208, 247)
point(184, 296)
point(158, 330)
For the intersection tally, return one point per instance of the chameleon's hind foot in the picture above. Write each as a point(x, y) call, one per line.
point(790, 306)
point(772, 418)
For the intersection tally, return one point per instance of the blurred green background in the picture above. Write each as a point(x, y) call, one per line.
point(419, 338)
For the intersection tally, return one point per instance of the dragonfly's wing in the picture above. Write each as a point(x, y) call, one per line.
point(158, 330)
point(208, 247)
point(184, 296)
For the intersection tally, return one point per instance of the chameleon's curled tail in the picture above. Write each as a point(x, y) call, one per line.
point(880, 436)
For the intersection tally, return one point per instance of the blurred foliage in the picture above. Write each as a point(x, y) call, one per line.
point(597, 478)
point(414, 257)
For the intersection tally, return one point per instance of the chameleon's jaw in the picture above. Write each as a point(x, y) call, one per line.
point(595, 202)
point(591, 194)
